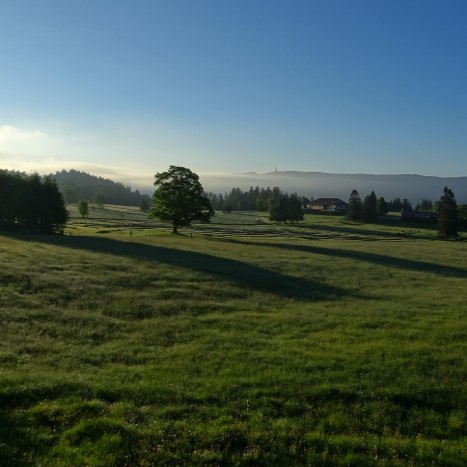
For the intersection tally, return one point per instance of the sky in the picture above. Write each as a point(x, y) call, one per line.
point(126, 88)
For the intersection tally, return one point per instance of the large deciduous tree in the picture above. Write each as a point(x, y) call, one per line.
point(179, 198)
point(447, 214)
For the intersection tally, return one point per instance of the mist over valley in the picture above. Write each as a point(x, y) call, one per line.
point(319, 184)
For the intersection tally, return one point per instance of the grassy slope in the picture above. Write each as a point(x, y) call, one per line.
point(324, 344)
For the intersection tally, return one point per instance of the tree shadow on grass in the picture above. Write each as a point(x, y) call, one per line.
point(246, 275)
point(374, 234)
point(375, 258)
point(12, 438)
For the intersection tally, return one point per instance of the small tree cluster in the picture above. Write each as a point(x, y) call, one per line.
point(424, 206)
point(284, 208)
point(28, 203)
point(396, 205)
point(368, 210)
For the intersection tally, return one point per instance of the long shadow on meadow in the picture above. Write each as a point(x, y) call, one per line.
point(370, 234)
point(375, 258)
point(246, 275)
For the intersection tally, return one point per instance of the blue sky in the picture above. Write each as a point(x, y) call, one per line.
point(127, 88)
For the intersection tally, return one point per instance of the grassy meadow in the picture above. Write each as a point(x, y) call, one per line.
point(236, 343)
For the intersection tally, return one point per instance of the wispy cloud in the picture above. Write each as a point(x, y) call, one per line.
point(11, 134)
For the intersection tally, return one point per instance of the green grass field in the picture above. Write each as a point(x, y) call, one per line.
point(235, 343)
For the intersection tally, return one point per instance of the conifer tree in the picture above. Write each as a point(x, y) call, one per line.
point(354, 207)
point(447, 214)
point(369, 208)
point(54, 212)
point(381, 207)
point(294, 209)
point(462, 216)
point(395, 205)
point(145, 204)
point(406, 206)
point(278, 208)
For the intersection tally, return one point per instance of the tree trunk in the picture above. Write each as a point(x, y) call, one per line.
point(175, 229)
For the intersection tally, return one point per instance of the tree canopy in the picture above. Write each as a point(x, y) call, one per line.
point(179, 198)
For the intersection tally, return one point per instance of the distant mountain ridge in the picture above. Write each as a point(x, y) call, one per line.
point(321, 184)
point(414, 187)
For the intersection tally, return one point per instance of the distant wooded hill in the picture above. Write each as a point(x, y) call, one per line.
point(76, 185)
point(319, 184)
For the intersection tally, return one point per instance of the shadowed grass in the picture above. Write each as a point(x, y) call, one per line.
point(169, 350)
point(385, 260)
point(243, 274)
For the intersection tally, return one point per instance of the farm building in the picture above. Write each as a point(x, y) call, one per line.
point(328, 204)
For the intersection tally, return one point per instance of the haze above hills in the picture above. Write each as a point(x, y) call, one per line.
point(311, 184)
point(319, 184)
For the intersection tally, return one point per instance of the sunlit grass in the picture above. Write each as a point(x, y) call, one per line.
point(329, 343)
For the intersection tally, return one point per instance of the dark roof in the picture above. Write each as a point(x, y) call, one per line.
point(327, 201)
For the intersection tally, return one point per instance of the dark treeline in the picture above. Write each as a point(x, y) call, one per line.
point(76, 185)
point(372, 207)
point(258, 199)
point(30, 203)
point(398, 205)
point(255, 199)
point(445, 212)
